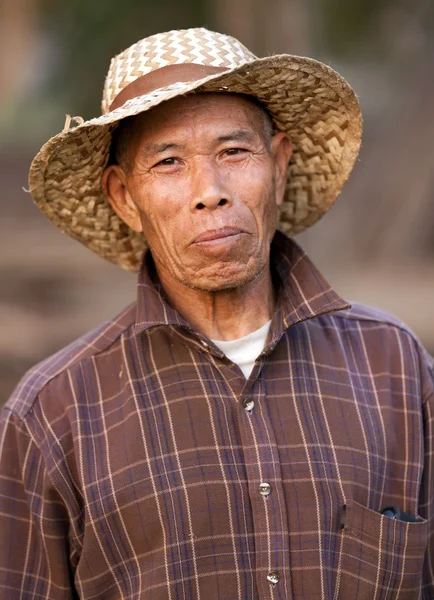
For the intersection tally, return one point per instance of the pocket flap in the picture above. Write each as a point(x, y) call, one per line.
point(369, 523)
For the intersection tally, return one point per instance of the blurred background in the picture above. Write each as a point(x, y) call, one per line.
point(375, 246)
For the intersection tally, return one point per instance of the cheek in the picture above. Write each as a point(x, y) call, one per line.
point(162, 216)
point(254, 175)
point(265, 213)
point(257, 191)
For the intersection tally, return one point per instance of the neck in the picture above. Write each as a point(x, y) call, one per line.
point(226, 314)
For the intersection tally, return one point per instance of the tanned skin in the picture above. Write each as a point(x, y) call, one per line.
point(203, 184)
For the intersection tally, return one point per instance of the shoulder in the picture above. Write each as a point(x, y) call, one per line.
point(367, 318)
point(385, 334)
point(367, 314)
point(93, 343)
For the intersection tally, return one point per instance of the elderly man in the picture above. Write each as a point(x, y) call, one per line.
point(241, 432)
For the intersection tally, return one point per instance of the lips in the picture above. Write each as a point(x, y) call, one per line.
point(217, 234)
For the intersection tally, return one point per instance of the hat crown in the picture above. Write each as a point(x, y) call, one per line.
point(179, 46)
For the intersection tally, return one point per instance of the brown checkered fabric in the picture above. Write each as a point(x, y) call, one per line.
point(138, 463)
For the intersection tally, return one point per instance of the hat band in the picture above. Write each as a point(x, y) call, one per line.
point(161, 78)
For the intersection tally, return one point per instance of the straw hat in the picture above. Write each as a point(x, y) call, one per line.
point(305, 98)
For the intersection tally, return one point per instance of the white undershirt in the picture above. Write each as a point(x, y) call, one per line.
point(244, 351)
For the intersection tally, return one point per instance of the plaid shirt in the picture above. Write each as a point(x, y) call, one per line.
point(138, 463)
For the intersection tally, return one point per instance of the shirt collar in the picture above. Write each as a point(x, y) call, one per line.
point(302, 292)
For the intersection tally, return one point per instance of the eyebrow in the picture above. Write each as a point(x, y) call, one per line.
point(239, 135)
point(151, 149)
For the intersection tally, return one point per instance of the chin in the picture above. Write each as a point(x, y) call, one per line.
point(219, 280)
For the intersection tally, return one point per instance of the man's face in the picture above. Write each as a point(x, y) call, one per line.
point(204, 186)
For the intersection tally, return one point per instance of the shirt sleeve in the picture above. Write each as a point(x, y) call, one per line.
point(426, 505)
point(34, 550)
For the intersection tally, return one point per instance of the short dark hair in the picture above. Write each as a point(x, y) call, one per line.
point(126, 132)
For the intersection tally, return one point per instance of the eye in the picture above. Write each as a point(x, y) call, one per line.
point(167, 162)
point(234, 151)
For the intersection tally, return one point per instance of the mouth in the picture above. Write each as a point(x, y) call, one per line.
point(218, 235)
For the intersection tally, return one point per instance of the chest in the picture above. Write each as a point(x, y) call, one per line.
point(191, 469)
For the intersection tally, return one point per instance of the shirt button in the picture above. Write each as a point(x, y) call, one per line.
point(273, 577)
point(265, 489)
point(249, 404)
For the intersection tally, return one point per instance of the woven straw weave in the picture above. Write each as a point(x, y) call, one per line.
point(307, 99)
point(198, 46)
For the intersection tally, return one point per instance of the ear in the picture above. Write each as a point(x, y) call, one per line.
point(281, 149)
point(115, 189)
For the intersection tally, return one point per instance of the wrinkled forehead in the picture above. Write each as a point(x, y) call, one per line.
point(218, 114)
point(216, 108)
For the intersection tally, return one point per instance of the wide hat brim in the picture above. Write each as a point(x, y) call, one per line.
point(307, 99)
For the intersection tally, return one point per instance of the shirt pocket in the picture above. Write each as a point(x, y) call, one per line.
point(381, 558)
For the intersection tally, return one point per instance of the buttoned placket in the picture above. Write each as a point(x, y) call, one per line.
point(266, 492)
point(262, 464)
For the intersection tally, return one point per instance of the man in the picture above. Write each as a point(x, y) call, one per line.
point(241, 432)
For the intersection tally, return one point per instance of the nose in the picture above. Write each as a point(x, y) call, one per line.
point(208, 190)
